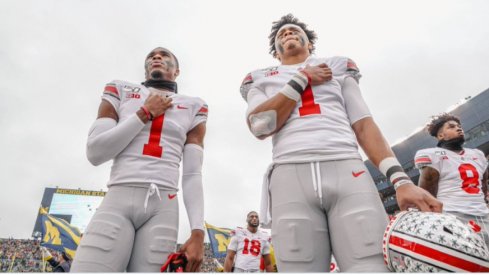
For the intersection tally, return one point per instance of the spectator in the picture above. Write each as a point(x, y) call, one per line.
point(59, 264)
point(28, 257)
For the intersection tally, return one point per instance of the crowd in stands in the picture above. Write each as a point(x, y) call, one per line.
point(23, 255)
point(209, 264)
point(20, 255)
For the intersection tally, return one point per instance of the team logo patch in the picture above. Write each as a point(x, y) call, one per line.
point(133, 95)
point(271, 71)
point(131, 92)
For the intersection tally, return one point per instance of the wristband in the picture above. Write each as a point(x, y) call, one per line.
point(295, 87)
point(147, 112)
point(392, 169)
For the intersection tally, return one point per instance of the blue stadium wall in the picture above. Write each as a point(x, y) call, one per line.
point(474, 115)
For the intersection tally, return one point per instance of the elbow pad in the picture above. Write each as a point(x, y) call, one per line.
point(263, 123)
point(193, 192)
point(106, 138)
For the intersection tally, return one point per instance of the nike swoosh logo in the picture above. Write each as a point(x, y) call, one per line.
point(171, 197)
point(356, 175)
point(181, 107)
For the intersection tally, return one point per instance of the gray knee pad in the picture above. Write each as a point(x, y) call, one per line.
point(104, 234)
point(295, 238)
point(164, 242)
point(369, 242)
point(105, 246)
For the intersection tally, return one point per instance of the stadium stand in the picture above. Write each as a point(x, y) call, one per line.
point(24, 255)
point(20, 256)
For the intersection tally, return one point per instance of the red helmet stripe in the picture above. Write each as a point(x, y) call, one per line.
point(437, 255)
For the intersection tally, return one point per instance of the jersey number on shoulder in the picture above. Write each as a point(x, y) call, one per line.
point(470, 178)
point(309, 107)
point(254, 249)
point(153, 147)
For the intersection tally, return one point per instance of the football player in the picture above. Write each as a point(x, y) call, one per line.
point(247, 246)
point(146, 129)
point(457, 176)
point(318, 189)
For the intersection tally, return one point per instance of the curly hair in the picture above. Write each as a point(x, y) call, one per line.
point(438, 121)
point(290, 19)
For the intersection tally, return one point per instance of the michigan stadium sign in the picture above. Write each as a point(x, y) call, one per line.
point(75, 206)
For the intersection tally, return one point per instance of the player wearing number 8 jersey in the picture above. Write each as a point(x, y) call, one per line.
point(247, 246)
point(318, 194)
point(147, 130)
point(457, 176)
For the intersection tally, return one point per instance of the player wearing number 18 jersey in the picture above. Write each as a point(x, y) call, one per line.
point(247, 246)
point(147, 130)
point(457, 176)
point(317, 193)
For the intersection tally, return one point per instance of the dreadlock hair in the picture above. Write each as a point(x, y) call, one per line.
point(290, 19)
point(438, 121)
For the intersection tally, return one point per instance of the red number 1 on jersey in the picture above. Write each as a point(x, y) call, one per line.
point(309, 107)
point(153, 147)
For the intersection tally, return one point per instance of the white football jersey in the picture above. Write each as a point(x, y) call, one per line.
point(154, 155)
point(249, 247)
point(459, 186)
point(319, 128)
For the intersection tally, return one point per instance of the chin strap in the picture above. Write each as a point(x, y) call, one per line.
point(161, 84)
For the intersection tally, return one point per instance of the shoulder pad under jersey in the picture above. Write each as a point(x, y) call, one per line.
point(251, 78)
point(341, 65)
point(424, 157)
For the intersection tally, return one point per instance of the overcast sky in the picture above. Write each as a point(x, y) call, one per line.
point(417, 59)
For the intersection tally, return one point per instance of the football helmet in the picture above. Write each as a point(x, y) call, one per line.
point(175, 262)
point(417, 241)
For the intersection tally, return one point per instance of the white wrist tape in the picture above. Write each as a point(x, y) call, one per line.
point(106, 138)
point(193, 192)
point(392, 169)
point(295, 87)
